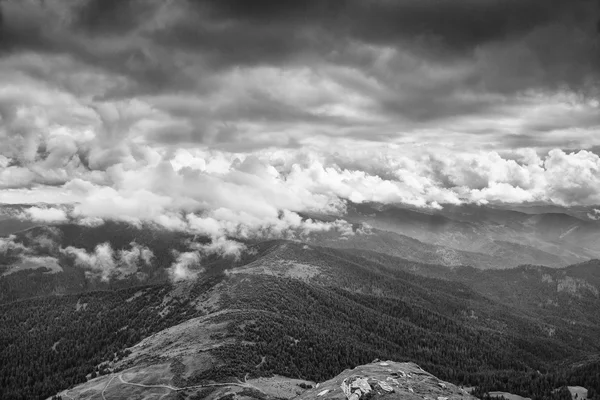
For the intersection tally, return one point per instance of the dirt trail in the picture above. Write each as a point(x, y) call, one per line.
point(107, 385)
point(67, 395)
point(123, 381)
point(175, 389)
point(169, 387)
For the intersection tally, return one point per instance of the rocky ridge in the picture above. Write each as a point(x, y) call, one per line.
point(385, 380)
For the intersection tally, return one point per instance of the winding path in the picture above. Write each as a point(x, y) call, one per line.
point(107, 385)
point(176, 389)
point(173, 388)
point(66, 393)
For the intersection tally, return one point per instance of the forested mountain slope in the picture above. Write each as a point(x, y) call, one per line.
point(302, 309)
point(307, 312)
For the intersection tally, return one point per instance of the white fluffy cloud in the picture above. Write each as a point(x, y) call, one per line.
point(60, 147)
point(100, 262)
point(103, 262)
point(8, 244)
point(264, 194)
point(186, 267)
point(129, 260)
point(573, 178)
point(595, 215)
point(45, 215)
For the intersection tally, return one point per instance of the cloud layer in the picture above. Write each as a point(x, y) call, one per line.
point(104, 263)
point(232, 121)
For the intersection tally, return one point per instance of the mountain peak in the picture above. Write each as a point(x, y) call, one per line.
point(385, 380)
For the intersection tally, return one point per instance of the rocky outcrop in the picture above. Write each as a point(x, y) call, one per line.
point(386, 380)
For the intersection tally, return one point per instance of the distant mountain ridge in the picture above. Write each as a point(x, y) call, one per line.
point(553, 239)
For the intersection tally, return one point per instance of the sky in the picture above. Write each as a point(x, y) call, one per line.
point(237, 116)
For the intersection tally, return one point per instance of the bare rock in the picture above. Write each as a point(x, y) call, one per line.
point(386, 380)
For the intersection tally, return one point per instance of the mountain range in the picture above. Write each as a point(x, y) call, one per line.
point(131, 310)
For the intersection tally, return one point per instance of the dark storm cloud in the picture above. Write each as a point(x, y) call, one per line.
point(95, 33)
point(277, 30)
point(20, 28)
point(511, 46)
point(439, 51)
point(234, 32)
point(460, 24)
point(110, 16)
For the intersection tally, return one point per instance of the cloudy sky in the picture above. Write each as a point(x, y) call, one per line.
point(229, 115)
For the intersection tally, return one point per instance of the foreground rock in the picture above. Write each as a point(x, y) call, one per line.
point(386, 380)
point(378, 380)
